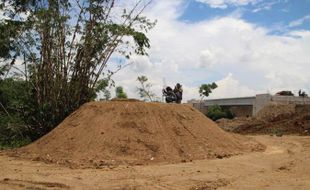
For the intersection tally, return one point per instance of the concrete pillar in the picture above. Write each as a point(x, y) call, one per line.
point(261, 101)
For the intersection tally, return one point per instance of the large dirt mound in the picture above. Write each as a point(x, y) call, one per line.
point(118, 132)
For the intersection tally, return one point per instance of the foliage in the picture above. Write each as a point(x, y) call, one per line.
point(65, 46)
point(206, 89)
point(102, 86)
point(145, 89)
point(216, 112)
point(13, 109)
point(119, 91)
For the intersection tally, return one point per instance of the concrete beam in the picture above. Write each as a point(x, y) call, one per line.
point(244, 101)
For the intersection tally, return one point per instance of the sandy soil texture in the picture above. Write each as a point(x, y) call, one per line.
point(283, 165)
point(112, 133)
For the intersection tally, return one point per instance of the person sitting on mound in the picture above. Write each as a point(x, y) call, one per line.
point(178, 92)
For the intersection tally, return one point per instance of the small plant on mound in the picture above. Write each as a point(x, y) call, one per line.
point(120, 93)
point(216, 112)
point(145, 90)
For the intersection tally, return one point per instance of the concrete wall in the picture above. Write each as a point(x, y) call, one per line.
point(263, 99)
point(291, 99)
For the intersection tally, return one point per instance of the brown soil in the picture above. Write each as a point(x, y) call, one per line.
point(283, 165)
point(112, 133)
point(274, 119)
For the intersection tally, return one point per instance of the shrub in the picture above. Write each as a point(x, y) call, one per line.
point(216, 112)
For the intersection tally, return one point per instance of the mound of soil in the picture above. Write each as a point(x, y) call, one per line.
point(274, 119)
point(111, 133)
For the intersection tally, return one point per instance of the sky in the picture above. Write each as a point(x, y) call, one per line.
point(247, 47)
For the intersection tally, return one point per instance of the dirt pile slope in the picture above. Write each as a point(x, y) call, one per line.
point(275, 119)
point(101, 134)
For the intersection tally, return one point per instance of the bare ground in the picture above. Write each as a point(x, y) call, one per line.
point(285, 164)
point(101, 134)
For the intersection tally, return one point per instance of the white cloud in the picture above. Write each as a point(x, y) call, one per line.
point(300, 21)
point(265, 6)
point(230, 87)
point(242, 57)
point(223, 4)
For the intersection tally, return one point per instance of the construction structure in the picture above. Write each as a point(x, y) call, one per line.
point(248, 106)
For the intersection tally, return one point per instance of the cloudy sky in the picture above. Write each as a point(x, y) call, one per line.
point(245, 46)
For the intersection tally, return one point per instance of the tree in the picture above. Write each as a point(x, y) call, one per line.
point(119, 91)
point(145, 89)
point(65, 46)
point(206, 89)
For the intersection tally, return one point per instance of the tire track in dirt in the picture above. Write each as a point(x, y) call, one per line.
point(27, 184)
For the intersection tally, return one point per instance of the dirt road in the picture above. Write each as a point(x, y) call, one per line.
point(284, 165)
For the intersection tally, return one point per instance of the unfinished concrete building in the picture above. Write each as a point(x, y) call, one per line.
point(249, 106)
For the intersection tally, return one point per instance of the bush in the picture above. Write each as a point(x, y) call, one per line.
point(13, 98)
point(229, 114)
point(216, 112)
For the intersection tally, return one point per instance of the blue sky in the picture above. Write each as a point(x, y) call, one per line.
point(247, 47)
point(271, 13)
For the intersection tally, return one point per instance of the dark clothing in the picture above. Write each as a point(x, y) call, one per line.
point(179, 93)
point(173, 95)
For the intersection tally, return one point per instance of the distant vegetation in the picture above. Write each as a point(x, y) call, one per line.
point(216, 112)
point(65, 48)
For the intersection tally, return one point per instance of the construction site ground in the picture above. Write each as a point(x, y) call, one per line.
point(284, 164)
point(130, 145)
